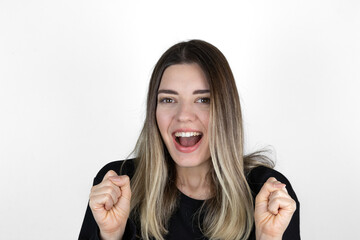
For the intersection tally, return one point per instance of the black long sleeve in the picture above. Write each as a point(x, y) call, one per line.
point(180, 226)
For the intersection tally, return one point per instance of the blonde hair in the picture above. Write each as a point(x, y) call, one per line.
point(229, 214)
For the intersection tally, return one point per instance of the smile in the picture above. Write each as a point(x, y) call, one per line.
point(187, 141)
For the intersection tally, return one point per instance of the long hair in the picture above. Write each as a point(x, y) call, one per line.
point(227, 215)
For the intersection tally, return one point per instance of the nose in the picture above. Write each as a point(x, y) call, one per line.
point(185, 113)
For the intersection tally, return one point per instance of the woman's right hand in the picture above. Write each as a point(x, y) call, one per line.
point(110, 204)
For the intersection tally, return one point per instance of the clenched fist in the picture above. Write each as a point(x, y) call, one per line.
point(273, 210)
point(110, 204)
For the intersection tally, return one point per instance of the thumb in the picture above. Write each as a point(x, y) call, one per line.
point(124, 183)
point(269, 186)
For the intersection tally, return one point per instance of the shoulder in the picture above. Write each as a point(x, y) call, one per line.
point(121, 167)
point(259, 175)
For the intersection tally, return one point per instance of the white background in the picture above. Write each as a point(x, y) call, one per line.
point(73, 80)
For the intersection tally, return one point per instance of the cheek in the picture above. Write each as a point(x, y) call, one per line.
point(162, 121)
point(205, 118)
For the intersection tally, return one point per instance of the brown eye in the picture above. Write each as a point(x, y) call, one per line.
point(166, 100)
point(205, 100)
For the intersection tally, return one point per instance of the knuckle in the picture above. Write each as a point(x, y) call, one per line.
point(107, 197)
point(92, 190)
point(108, 189)
point(126, 178)
point(293, 203)
point(275, 200)
point(277, 194)
point(91, 198)
point(268, 184)
point(91, 203)
point(111, 172)
point(271, 179)
point(107, 182)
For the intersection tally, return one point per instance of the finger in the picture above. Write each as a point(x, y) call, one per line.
point(99, 202)
point(105, 183)
point(110, 173)
point(109, 202)
point(124, 183)
point(112, 190)
point(283, 205)
point(269, 186)
point(280, 193)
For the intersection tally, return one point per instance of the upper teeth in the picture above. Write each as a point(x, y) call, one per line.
point(187, 134)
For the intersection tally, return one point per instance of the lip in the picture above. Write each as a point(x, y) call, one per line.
point(182, 148)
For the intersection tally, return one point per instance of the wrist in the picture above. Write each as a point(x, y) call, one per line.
point(267, 237)
point(111, 236)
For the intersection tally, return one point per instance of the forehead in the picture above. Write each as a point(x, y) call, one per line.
point(184, 77)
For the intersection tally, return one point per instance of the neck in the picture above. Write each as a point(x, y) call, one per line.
point(194, 181)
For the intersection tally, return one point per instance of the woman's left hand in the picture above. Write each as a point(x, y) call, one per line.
point(273, 210)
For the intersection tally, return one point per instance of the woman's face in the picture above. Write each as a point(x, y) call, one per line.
point(182, 114)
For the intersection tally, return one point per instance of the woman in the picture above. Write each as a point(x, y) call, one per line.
point(190, 179)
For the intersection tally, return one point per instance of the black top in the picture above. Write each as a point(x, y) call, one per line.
point(183, 224)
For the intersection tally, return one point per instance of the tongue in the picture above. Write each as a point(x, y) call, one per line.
point(189, 141)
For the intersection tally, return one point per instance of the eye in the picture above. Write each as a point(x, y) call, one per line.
point(205, 100)
point(166, 100)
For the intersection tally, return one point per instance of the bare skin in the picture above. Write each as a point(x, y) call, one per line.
point(194, 183)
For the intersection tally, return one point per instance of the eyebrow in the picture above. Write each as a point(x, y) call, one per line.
point(168, 91)
point(201, 91)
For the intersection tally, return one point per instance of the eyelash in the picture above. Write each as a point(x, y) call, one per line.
point(201, 100)
point(166, 100)
point(204, 100)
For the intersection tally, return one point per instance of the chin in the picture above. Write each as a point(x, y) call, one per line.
point(190, 161)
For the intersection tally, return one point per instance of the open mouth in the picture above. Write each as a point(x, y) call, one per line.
point(188, 139)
